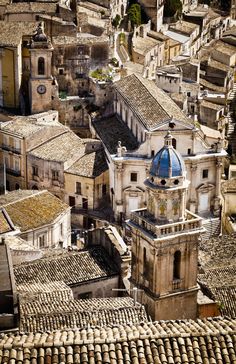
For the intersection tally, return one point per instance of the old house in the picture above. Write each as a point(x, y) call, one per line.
point(147, 50)
point(83, 271)
point(42, 219)
point(87, 184)
point(143, 114)
point(18, 136)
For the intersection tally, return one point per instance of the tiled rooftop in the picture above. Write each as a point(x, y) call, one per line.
point(69, 314)
point(29, 210)
point(5, 224)
point(145, 45)
point(70, 267)
point(32, 7)
point(89, 165)
point(151, 104)
point(25, 126)
point(43, 294)
point(111, 131)
point(204, 341)
point(218, 273)
point(61, 149)
point(12, 32)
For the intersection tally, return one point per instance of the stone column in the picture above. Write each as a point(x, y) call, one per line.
point(217, 188)
point(193, 188)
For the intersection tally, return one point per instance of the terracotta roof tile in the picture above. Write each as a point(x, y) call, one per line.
point(68, 267)
point(90, 165)
point(33, 210)
point(218, 272)
point(111, 131)
point(182, 341)
point(50, 315)
point(151, 105)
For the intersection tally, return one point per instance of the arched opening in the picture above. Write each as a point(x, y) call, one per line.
point(174, 143)
point(176, 265)
point(144, 261)
point(41, 66)
point(34, 187)
point(17, 186)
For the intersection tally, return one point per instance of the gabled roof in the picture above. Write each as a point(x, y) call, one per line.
point(111, 130)
point(30, 210)
point(151, 105)
point(218, 271)
point(72, 268)
point(89, 165)
point(71, 314)
point(209, 340)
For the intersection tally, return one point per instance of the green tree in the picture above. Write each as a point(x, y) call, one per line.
point(172, 8)
point(134, 14)
point(116, 21)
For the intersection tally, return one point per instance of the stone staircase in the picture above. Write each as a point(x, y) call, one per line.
point(231, 133)
point(212, 226)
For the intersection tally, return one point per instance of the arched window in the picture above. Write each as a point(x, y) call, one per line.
point(41, 66)
point(174, 143)
point(176, 265)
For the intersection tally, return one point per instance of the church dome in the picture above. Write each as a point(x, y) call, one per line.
point(167, 163)
point(40, 36)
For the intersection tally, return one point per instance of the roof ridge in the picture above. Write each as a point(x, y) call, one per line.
point(34, 193)
point(141, 80)
point(119, 333)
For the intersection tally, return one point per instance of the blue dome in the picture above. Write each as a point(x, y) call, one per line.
point(167, 162)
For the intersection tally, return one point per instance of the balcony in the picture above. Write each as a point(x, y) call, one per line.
point(158, 229)
point(9, 148)
point(13, 172)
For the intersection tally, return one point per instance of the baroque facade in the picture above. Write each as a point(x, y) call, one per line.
point(165, 240)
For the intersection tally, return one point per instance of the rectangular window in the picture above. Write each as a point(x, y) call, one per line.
point(17, 145)
point(152, 153)
point(16, 165)
point(61, 229)
point(55, 175)
point(133, 177)
point(78, 188)
point(104, 190)
point(61, 71)
point(205, 173)
point(42, 241)
point(189, 151)
point(35, 171)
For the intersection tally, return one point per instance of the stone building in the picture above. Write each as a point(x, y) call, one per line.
point(143, 114)
point(42, 219)
point(18, 136)
point(165, 240)
point(147, 50)
point(43, 89)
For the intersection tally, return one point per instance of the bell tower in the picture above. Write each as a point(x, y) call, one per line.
point(42, 86)
point(165, 241)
